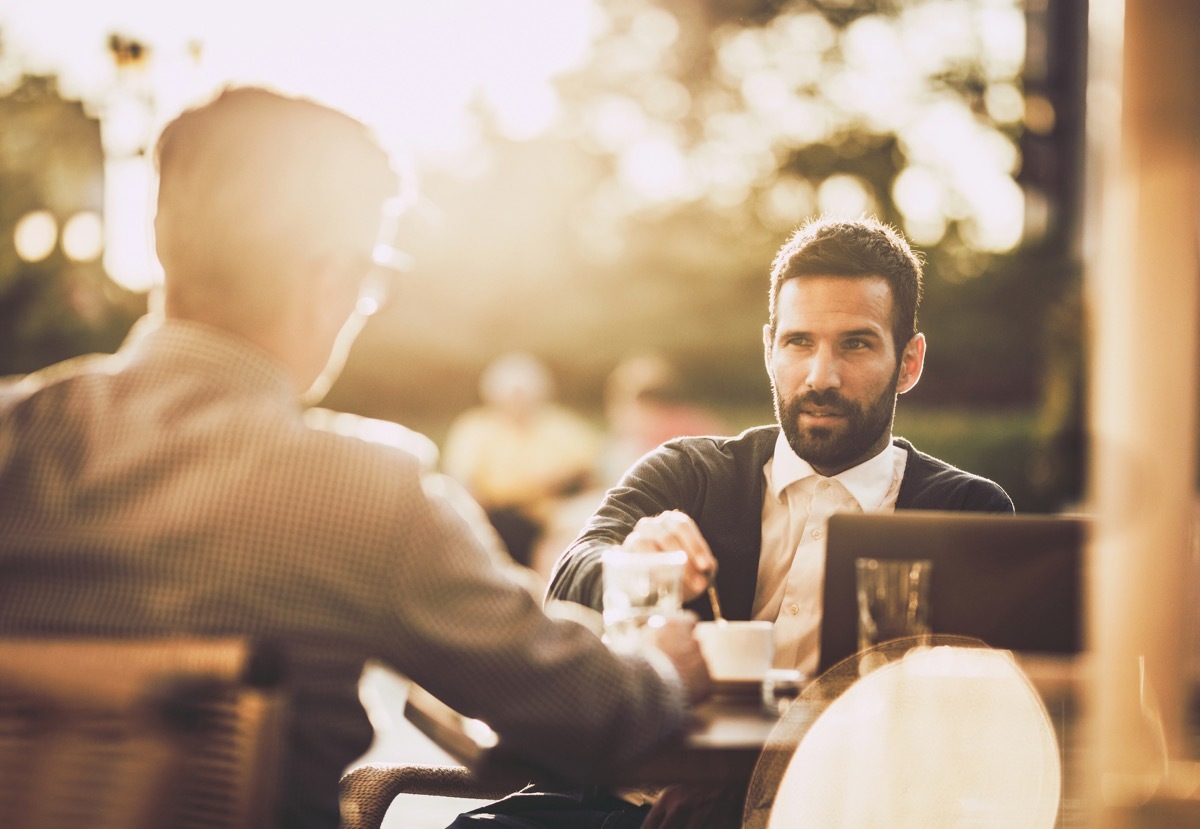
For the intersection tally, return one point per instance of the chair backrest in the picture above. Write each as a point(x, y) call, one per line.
point(125, 734)
point(366, 792)
point(938, 738)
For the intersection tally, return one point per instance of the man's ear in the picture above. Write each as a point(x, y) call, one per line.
point(334, 281)
point(912, 363)
point(768, 341)
point(331, 324)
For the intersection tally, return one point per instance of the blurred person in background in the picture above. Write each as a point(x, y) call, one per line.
point(840, 345)
point(173, 487)
point(520, 454)
point(645, 406)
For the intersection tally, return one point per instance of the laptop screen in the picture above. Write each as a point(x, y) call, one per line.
point(1014, 581)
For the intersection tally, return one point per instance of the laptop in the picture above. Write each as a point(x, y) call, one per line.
point(1014, 581)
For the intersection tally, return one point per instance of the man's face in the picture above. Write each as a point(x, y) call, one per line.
point(834, 368)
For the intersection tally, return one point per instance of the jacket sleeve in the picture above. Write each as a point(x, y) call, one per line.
point(476, 639)
point(663, 480)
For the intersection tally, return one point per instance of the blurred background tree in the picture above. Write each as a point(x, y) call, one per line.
point(55, 299)
point(642, 214)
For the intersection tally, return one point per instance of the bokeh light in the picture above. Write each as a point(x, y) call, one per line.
point(35, 235)
point(430, 78)
point(798, 81)
point(83, 236)
point(440, 82)
point(846, 196)
point(920, 195)
point(786, 199)
point(128, 214)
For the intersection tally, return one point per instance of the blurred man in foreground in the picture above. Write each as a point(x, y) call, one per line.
point(840, 346)
point(173, 486)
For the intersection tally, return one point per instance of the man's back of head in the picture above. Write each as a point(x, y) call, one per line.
point(253, 186)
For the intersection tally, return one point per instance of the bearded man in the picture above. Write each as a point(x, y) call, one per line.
point(841, 345)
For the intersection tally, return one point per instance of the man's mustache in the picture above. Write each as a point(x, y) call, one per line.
point(827, 399)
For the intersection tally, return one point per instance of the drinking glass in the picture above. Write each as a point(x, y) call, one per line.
point(893, 599)
point(638, 589)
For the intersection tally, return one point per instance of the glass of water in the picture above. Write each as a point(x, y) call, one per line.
point(893, 599)
point(638, 589)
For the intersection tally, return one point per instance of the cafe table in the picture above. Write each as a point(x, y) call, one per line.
point(732, 740)
point(722, 744)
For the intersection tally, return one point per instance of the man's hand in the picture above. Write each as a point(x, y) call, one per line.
point(697, 806)
point(675, 637)
point(675, 530)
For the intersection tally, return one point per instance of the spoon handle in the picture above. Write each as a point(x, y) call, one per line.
point(715, 602)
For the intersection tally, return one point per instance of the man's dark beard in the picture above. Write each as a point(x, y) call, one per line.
point(820, 446)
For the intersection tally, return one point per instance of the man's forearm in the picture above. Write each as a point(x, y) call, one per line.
point(650, 488)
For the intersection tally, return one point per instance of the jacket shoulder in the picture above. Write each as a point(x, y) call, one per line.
point(930, 483)
point(754, 445)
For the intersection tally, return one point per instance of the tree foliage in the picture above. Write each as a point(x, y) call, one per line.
point(698, 134)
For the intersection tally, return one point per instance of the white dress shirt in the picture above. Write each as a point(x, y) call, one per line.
point(797, 503)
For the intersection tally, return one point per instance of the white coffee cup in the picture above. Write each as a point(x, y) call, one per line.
point(737, 650)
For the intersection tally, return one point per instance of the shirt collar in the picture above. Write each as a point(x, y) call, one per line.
point(868, 482)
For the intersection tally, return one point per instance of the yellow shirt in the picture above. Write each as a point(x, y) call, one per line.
point(508, 464)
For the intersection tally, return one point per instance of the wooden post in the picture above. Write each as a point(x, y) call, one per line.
point(1143, 292)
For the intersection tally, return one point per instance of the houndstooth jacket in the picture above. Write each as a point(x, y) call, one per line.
point(174, 487)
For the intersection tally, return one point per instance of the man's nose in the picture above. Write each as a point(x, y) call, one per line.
point(823, 370)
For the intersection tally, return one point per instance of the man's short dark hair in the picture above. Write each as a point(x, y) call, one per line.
point(854, 248)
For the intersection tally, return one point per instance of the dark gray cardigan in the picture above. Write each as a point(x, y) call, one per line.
point(719, 483)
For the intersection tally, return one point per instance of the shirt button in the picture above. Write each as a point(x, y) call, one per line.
point(793, 609)
point(817, 534)
point(824, 484)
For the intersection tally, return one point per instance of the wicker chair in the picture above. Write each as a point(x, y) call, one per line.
point(126, 734)
point(366, 792)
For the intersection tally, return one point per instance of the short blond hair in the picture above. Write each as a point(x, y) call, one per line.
point(253, 179)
